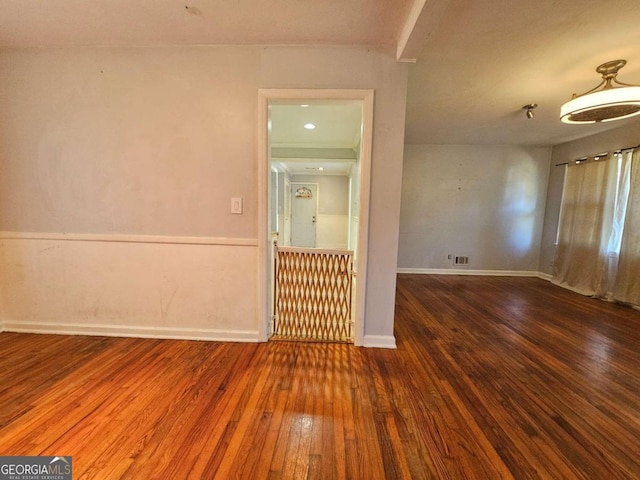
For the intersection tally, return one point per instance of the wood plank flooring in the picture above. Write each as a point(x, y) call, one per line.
point(494, 377)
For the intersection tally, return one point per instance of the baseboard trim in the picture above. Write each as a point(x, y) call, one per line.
point(379, 341)
point(211, 335)
point(490, 273)
point(118, 238)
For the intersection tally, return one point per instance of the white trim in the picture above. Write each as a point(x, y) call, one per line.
point(264, 236)
point(366, 97)
point(408, 45)
point(120, 238)
point(344, 146)
point(422, 20)
point(379, 341)
point(362, 258)
point(313, 159)
point(490, 273)
point(319, 251)
point(133, 331)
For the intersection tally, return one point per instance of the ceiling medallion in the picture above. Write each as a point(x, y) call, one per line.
point(606, 102)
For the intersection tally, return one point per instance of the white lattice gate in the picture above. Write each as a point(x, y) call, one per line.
point(312, 294)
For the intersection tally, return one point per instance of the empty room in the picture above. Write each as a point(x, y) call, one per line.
point(277, 240)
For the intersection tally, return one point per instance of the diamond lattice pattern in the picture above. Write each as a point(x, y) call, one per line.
point(313, 295)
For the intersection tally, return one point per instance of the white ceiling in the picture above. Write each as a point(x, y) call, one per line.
point(478, 62)
point(333, 142)
point(201, 22)
point(337, 124)
point(486, 59)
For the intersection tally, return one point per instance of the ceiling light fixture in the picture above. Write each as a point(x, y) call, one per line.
point(606, 102)
point(529, 109)
point(309, 126)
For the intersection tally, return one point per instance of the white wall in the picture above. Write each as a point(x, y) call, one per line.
point(139, 142)
point(484, 202)
point(116, 140)
point(128, 288)
point(611, 140)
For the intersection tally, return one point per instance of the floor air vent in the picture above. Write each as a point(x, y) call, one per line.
point(460, 260)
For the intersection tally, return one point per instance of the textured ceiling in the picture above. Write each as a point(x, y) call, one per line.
point(201, 22)
point(488, 58)
point(480, 61)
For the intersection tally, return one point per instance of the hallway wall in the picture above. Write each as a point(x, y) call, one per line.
point(117, 166)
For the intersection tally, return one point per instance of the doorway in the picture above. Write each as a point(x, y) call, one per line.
point(319, 160)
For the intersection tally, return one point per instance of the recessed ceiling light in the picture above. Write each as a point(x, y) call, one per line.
point(309, 126)
point(304, 106)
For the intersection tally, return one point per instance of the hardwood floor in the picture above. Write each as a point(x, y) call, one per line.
point(493, 378)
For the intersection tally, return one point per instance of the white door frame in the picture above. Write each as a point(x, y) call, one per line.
point(265, 97)
point(286, 221)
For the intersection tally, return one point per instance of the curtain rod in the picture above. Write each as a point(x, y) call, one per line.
point(598, 154)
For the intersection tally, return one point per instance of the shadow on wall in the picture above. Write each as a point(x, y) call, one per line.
point(520, 201)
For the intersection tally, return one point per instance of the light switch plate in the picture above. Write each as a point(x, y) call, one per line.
point(236, 205)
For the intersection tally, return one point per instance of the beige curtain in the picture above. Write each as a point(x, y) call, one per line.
point(627, 282)
point(585, 223)
point(599, 236)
